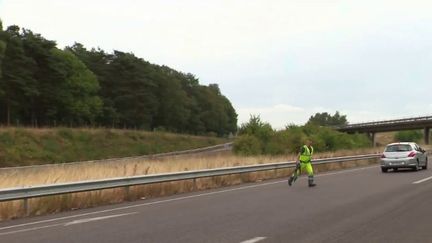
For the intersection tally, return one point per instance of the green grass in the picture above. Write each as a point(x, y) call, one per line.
point(22, 146)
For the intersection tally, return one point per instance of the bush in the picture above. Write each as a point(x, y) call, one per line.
point(247, 145)
point(255, 127)
point(277, 144)
point(259, 138)
point(408, 136)
point(295, 138)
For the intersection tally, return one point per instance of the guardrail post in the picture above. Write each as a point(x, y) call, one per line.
point(26, 207)
point(194, 185)
point(127, 193)
point(426, 135)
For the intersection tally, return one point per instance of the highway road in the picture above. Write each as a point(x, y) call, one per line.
point(355, 205)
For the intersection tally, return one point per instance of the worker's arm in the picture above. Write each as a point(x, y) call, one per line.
point(300, 152)
point(298, 155)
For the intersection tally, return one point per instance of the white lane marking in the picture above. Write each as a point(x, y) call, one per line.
point(81, 221)
point(67, 224)
point(30, 229)
point(256, 239)
point(176, 199)
point(423, 180)
point(346, 171)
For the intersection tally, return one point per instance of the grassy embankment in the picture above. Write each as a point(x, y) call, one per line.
point(22, 146)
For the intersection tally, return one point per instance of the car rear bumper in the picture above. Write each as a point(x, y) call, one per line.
point(398, 163)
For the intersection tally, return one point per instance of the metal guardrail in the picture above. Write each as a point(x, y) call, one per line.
point(82, 186)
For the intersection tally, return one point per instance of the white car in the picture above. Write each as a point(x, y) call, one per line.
point(403, 155)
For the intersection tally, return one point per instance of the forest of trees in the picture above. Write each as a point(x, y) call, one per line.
point(42, 85)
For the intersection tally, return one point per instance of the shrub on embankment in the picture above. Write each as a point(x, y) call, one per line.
point(258, 137)
point(408, 136)
point(21, 146)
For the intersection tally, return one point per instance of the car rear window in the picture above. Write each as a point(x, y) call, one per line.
point(398, 148)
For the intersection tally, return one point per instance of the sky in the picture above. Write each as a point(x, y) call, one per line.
point(284, 60)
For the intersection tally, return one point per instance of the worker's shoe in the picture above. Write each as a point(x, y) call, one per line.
point(310, 180)
point(290, 181)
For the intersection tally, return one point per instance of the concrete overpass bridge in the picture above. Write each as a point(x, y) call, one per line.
point(371, 128)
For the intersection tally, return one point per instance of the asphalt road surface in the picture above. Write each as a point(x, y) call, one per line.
point(356, 205)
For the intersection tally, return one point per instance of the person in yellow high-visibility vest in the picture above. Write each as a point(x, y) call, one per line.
point(304, 164)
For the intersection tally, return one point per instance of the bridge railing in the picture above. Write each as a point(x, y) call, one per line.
point(386, 122)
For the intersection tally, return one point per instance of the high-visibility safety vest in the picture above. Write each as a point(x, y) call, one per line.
point(306, 156)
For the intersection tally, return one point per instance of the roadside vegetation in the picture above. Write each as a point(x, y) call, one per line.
point(22, 146)
point(409, 136)
point(258, 138)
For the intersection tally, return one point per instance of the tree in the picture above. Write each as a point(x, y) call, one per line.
point(215, 113)
point(134, 93)
point(325, 119)
point(2, 46)
point(17, 82)
point(128, 87)
point(231, 124)
point(76, 92)
point(48, 74)
point(174, 108)
point(98, 61)
point(2, 52)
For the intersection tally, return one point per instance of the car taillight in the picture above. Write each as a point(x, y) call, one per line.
point(382, 156)
point(412, 154)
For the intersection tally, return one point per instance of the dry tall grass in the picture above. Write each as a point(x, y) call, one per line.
point(59, 173)
point(383, 138)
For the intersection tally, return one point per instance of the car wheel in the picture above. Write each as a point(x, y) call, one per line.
point(417, 167)
point(384, 170)
point(425, 166)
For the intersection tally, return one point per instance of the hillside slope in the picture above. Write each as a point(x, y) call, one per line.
point(22, 146)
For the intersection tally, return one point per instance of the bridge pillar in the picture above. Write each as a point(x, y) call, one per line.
point(372, 138)
point(426, 135)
